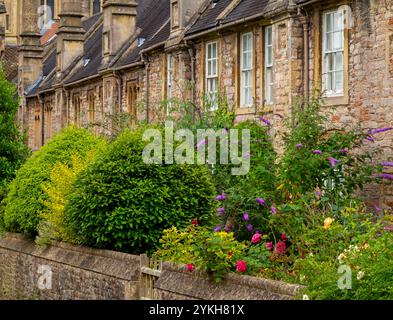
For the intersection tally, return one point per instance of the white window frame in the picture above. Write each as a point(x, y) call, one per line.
point(246, 71)
point(169, 77)
point(269, 65)
point(332, 74)
point(212, 74)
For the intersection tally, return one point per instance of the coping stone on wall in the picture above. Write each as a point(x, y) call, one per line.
point(178, 283)
point(109, 263)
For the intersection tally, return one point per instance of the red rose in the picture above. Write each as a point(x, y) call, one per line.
point(241, 266)
point(284, 237)
point(280, 248)
point(195, 222)
point(256, 238)
point(269, 246)
point(190, 267)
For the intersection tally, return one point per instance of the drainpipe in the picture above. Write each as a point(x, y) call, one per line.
point(191, 52)
point(41, 101)
point(145, 60)
point(306, 46)
point(119, 81)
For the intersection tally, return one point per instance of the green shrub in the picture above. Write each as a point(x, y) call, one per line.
point(52, 226)
point(13, 151)
point(121, 203)
point(216, 253)
point(26, 197)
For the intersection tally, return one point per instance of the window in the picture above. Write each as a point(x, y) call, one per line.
point(7, 23)
point(37, 127)
point(169, 82)
point(212, 73)
point(77, 109)
point(132, 96)
point(95, 7)
point(48, 120)
point(269, 61)
point(246, 64)
point(333, 53)
point(92, 106)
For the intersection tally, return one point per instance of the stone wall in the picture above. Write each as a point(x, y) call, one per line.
point(77, 273)
point(176, 283)
point(90, 274)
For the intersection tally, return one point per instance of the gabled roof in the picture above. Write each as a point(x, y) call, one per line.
point(232, 11)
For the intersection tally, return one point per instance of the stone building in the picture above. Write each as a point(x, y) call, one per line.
point(264, 56)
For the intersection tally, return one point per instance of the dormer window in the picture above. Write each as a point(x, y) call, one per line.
point(86, 62)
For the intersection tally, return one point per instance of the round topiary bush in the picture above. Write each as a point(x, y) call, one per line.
point(26, 196)
point(121, 203)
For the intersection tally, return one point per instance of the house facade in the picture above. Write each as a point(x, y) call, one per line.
point(134, 57)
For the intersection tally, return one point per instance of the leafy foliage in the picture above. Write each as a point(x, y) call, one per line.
point(26, 197)
point(52, 226)
point(13, 151)
point(122, 203)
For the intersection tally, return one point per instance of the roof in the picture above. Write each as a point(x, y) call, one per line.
point(232, 11)
point(155, 29)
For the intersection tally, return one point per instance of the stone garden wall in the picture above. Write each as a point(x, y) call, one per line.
point(91, 274)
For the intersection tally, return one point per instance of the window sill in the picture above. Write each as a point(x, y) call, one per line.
point(336, 100)
point(245, 110)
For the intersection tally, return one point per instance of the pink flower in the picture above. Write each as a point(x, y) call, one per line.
point(273, 210)
point(299, 146)
point(261, 201)
point(246, 216)
point(256, 238)
point(284, 237)
point(190, 267)
point(280, 248)
point(195, 222)
point(241, 266)
point(317, 152)
point(269, 246)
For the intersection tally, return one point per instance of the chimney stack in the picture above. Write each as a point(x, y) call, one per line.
point(70, 36)
point(119, 25)
point(30, 49)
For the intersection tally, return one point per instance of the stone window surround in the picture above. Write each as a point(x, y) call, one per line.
point(215, 75)
point(268, 66)
point(246, 69)
point(317, 20)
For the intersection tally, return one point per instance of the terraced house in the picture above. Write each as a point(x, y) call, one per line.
point(128, 56)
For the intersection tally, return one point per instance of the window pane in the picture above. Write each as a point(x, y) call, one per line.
point(329, 42)
point(339, 61)
point(339, 79)
point(329, 22)
point(338, 21)
point(338, 40)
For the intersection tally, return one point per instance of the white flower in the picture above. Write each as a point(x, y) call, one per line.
point(341, 257)
point(360, 275)
point(305, 297)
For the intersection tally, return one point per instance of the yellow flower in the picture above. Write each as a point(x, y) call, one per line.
point(328, 223)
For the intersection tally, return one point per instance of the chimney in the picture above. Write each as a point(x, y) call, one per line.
point(30, 49)
point(3, 11)
point(70, 36)
point(181, 13)
point(119, 25)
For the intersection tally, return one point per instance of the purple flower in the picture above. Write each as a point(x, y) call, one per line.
point(250, 228)
point(299, 146)
point(388, 228)
point(387, 164)
point(247, 155)
point(261, 201)
point(386, 176)
point(265, 121)
point(370, 139)
point(221, 197)
point(333, 162)
point(221, 211)
point(375, 131)
point(273, 210)
point(344, 151)
point(317, 152)
point(246, 216)
point(218, 228)
point(378, 209)
point(201, 143)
